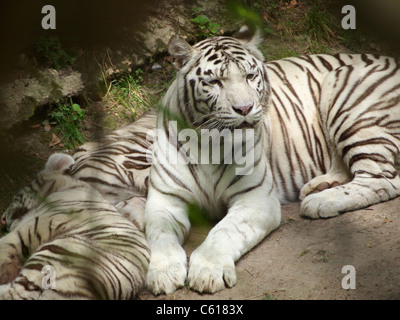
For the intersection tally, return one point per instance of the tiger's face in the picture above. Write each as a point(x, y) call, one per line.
point(49, 180)
point(224, 80)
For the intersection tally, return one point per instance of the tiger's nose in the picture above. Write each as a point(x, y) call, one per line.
point(243, 110)
point(3, 220)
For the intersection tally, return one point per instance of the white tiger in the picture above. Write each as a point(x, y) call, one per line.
point(222, 84)
point(117, 166)
point(328, 123)
point(65, 225)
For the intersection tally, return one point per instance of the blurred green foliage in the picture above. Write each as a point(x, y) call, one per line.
point(68, 117)
point(243, 12)
point(197, 215)
point(51, 51)
point(205, 28)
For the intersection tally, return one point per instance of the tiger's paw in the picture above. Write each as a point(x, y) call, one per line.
point(9, 269)
point(326, 204)
point(133, 210)
point(166, 273)
point(211, 273)
point(322, 183)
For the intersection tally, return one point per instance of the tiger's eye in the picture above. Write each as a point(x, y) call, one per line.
point(251, 76)
point(214, 82)
point(19, 212)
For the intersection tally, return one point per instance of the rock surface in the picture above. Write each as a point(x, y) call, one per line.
point(20, 98)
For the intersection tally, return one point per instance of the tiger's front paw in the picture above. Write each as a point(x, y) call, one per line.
point(326, 204)
point(9, 268)
point(166, 273)
point(211, 272)
point(322, 183)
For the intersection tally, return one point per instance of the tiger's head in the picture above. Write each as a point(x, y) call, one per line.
point(223, 81)
point(49, 180)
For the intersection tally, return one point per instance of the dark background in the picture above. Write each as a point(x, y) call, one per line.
point(99, 23)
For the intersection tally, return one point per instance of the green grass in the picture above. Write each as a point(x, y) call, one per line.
point(268, 296)
point(68, 117)
point(318, 23)
point(128, 96)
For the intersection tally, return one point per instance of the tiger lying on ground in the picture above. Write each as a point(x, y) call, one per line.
point(326, 120)
point(62, 222)
point(117, 166)
point(328, 123)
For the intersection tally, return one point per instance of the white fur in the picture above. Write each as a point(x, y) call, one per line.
point(107, 257)
point(250, 216)
point(303, 149)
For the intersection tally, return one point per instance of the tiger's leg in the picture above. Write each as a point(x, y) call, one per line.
point(250, 218)
point(9, 267)
point(362, 127)
point(14, 248)
point(36, 282)
point(364, 190)
point(338, 174)
point(21, 242)
point(167, 226)
point(133, 210)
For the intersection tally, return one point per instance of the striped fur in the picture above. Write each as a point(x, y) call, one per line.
point(118, 166)
point(64, 223)
point(344, 111)
point(222, 84)
point(330, 128)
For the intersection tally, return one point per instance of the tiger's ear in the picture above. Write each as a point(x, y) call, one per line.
point(251, 38)
point(180, 50)
point(58, 162)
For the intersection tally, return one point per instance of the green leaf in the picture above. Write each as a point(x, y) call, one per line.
point(214, 27)
point(200, 20)
point(244, 12)
point(76, 107)
point(58, 114)
point(197, 215)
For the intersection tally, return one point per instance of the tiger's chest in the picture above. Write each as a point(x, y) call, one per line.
point(211, 186)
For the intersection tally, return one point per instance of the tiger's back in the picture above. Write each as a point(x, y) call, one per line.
point(118, 166)
point(335, 117)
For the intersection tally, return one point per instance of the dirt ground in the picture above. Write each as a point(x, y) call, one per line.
point(303, 259)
